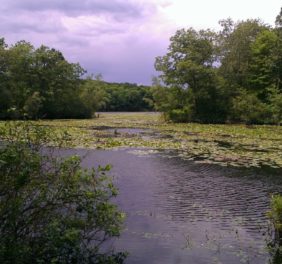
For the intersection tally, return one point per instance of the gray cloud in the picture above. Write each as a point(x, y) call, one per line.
point(127, 60)
point(42, 16)
point(24, 23)
point(112, 37)
point(75, 8)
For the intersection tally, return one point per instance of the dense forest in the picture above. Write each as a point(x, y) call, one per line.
point(123, 96)
point(41, 83)
point(233, 75)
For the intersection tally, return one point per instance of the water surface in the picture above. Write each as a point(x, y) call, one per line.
point(182, 212)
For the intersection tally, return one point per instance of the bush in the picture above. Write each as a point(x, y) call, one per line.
point(179, 115)
point(249, 109)
point(275, 215)
point(52, 210)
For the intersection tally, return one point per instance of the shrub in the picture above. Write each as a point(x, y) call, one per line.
point(179, 115)
point(275, 215)
point(51, 209)
point(249, 109)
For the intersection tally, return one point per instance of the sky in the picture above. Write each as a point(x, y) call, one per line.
point(119, 39)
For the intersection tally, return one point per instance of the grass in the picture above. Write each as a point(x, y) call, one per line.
point(226, 145)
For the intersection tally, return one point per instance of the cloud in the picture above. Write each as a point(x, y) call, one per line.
point(124, 57)
point(84, 18)
point(75, 8)
point(23, 22)
point(118, 38)
point(87, 26)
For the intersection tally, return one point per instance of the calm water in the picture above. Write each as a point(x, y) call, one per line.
point(182, 212)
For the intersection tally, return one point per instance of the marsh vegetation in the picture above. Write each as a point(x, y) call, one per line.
point(226, 145)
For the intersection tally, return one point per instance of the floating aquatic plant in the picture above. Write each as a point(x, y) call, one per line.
point(226, 145)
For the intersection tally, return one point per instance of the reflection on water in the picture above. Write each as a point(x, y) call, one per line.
point(182, 212)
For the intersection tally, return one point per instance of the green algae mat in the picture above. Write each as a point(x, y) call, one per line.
point(224, 144)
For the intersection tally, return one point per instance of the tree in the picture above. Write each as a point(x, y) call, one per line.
point(189, 55)
point(18, 60)
point(32, 105)
point(275, 104)
point(126, 97)
point(58, 81)
point(231, 75)
point(172, 101)
point(51, 209)
point(278, 20)
point(5, 93)
point(249, 109)
point(93, 94)
point(236, 51)
point(190, 65)
point(278, 53)
point(41, 83)
point(42, 75)
point(262, 66)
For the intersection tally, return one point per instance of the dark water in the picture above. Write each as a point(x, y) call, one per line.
point(182, 212)
point(130, 131)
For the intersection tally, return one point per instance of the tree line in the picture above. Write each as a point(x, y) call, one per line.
point(121, 96)
point(230, 75)
point(207, 76)
point(41, 83)
point(38, 83)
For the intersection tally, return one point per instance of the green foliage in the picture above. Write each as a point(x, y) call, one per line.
point(275, 215)
point(98, 95)
point(275, 99)
point(262, 72)
point(93, 94)
point(126, 97)
point(168, 98)
point(276, 212)
point(236, 51)
point(224, 144)
point(231, 75)
point(189, 57)
point(38, 83)
point(51, 209)
point(179, 115)
point(32, 105)
point(41, 83)
point(248, 108)
point(189, 67)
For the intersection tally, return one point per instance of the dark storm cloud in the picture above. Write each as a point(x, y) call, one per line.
point(46, 15)
point(23, 23)
point(132, 61)
point(75, 8)
point(112, 37)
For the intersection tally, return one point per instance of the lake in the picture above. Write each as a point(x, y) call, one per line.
point(179, 211)
point(192, 193)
